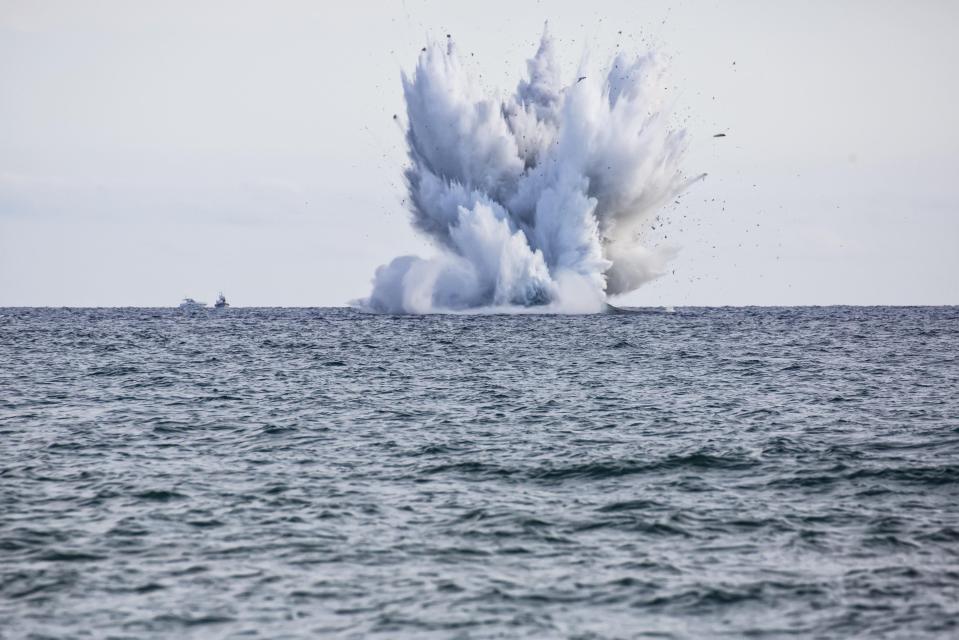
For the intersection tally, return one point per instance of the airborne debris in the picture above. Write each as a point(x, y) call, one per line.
point(471, 162)
point(719, 135)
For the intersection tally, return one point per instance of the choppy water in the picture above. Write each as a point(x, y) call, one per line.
point(306, 473)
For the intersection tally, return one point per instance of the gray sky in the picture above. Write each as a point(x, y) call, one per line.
point(152, 150)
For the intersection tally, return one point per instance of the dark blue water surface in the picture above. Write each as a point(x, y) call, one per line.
point(326, 473)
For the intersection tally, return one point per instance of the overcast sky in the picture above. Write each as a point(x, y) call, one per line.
point(155, 150)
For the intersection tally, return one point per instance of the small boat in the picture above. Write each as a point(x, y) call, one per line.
point(221, 302)
point(189, 304)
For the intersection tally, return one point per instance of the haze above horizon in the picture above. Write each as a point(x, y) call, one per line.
point(152, 153)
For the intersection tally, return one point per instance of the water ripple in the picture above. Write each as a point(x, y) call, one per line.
point(326, 473)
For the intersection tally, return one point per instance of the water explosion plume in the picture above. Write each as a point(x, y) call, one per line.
point(539, 200)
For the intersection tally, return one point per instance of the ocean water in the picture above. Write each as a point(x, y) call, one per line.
point(327, 473)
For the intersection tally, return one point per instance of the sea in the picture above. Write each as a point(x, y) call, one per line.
point(328, 473)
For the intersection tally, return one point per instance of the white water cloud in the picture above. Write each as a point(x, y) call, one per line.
point(540, 200)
